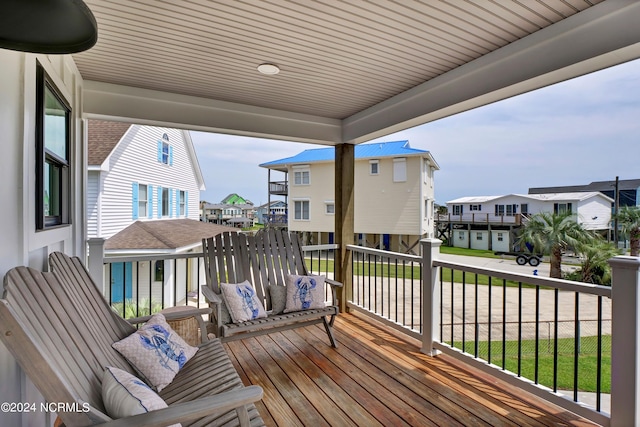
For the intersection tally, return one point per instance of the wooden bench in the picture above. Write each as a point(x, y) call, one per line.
point(60, 329)
point(264, 260)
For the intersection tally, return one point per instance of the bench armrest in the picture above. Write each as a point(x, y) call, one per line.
point(334, 285)
point(188, 411)
point(187, 312)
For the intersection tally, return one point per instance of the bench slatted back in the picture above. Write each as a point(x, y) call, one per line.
point(60, 330)
point(263, 259)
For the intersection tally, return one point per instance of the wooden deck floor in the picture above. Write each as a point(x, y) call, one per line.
point(375, 378)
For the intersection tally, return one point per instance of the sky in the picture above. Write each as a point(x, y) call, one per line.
point(572, 133)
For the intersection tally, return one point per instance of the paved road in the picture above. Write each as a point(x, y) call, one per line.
point(507, 263)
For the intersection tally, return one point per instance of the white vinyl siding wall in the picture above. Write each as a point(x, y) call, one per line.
point(382, 206)
point(135, 160)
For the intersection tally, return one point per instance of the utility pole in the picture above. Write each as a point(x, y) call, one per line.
point(616, 207)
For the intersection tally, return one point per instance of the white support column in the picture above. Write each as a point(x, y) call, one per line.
point(96, 261)
point(430, 296)
point(625, 341)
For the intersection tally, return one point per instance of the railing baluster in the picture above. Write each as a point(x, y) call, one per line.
point(576, 347)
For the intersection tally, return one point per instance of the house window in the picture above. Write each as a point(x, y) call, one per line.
point(183, 201)
point(499, 210)
point(524, 208)
point(561, 208)
point(478, 236)
point(475, 207)
point(399, 170)
point(165, 202)
point(142, 200)
point(461, 235)
point(165, 151)
point(374, 167)
point(301, 209)
point(53, 142)
point(301, 177)
point(330, 208)
point(500, 237)
point(511, 210)
point(457, 209)
point(159, 271)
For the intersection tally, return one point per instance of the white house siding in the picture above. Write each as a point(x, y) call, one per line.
point(320, 190)
point(135, 160)
point(500, 240)
point(479, 239)
point(21, 244)
point(382, 206)
point(387, 207)
point(461, 238)
point(93, 203)
point(594, 213)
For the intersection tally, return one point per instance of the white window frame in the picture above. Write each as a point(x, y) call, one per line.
point(300, 215)
point(374, 164)
point(329, 207)
point(400, 169)
point(301, 175)
point(143, 207)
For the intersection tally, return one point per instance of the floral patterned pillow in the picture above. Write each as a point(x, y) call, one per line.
point(242, 301)
point(124, 395)
point(156, 351)
point(304, 293)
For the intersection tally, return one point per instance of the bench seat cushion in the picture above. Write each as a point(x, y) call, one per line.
point(208, 373)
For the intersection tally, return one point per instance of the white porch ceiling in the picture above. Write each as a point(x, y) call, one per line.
point(350, 70)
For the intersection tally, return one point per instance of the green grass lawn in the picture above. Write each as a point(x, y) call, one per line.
point(450, 250)
point(587, 361)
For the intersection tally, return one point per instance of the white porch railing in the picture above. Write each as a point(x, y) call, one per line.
point(410, 294)
point(463, 315)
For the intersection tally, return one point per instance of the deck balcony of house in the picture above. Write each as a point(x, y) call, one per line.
point(279, 188)
point(423, 341)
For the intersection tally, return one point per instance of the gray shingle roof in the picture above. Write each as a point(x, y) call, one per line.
point(163, 234)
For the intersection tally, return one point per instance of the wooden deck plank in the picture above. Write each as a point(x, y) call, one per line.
point(320, 373)
point(378, 377)
point(450, 386)
point(415, 407)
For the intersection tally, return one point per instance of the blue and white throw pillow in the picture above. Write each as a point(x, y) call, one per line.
point(304, 293)
point(125, 395)
point(156, 351)
point(242, 301)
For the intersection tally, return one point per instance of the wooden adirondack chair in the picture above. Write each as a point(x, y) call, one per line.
point(264, 260)
point(60, 329)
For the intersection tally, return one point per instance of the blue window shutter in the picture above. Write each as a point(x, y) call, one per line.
point(160, 151)
point(159, 202)
point(134, 200)
point(170, 156)
point(150, 201)
point(171, 203)
point(186, 203)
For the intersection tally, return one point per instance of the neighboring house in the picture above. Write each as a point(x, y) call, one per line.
point(232, 210)
point(491, 222)
point(143, 193)
point(138, 172)
point(628, 190)
point(394, 195)
point(164, 280)
point(272, 213)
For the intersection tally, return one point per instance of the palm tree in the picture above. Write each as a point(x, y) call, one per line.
point(595, 256)
point(629, 220)
point(552, 234)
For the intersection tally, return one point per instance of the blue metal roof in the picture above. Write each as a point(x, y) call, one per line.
point(379, 149)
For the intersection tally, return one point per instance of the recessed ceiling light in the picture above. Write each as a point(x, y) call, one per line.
point(268, 69)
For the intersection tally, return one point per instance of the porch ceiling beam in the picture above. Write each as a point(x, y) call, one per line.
point(604, 35)
point(142, 106)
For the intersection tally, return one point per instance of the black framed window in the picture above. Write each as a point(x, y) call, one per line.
point(53, 125)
